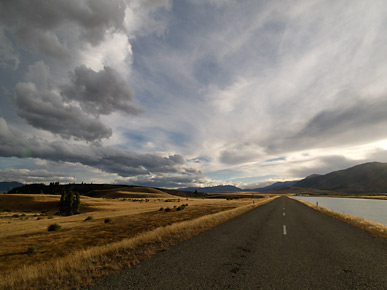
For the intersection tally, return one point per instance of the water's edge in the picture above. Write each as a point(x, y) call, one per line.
point(370, 209)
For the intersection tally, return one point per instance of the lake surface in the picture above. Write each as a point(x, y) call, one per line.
point(370, 209)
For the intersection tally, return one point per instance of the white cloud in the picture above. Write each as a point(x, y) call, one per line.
point(169, 181)
point(115, 51)
point(34, 176)
point(140, 20)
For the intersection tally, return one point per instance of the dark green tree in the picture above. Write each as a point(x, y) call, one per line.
point(77, 204)
point(70, 203)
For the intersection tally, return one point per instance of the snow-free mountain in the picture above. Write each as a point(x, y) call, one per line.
point(364, 178)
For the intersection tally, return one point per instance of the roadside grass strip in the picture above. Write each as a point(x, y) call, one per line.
point(367, 225)
point(81, 267)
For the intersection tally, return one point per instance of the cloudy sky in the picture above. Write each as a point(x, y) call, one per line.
point(190, 92)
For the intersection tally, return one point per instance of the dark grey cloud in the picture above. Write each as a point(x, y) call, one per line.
point(74, 111)
point(360, 116)
point(234, 157)
point(362, 122)
point(8, 56)
point(35, 23)
point(108, 159)
point(100, 92)
point(241, 153)
point(44, 110)
point(323, 165)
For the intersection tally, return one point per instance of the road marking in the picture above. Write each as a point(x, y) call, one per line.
point(284, 230)
point(283, 214)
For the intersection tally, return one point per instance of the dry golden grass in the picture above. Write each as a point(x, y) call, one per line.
point(90, 248)
point(370, 226)
point(132, 192)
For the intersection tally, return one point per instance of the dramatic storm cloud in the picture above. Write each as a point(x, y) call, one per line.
point(100, 92)
point(183, 93)
point(38, 103)
point(123, 163)
point(36, 24)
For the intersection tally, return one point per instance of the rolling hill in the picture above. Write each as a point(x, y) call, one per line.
point(6, 186)
point(211, 189)
point(130, 192)
point(273, 186)
point(364, 178)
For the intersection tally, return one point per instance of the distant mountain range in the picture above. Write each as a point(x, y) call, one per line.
point(232, 188)
point(7, 186)
point(364, 178)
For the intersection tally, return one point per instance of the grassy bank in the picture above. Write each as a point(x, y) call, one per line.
point(369, 226)
point(82, 265)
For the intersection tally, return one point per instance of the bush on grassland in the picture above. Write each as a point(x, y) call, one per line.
point(53, 227)
point(31, 250)
point(88, 218)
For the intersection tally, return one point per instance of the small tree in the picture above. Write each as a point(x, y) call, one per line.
point(70, 203)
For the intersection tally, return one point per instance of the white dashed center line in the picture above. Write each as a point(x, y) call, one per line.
point(284, 230)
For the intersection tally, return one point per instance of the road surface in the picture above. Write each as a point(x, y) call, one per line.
point(280, 245)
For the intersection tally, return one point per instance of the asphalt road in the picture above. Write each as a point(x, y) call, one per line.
point(280, 245)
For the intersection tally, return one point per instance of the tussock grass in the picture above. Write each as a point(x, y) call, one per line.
point(53, 227)
point(89, 218)
point(81, 267)
point(369, 226)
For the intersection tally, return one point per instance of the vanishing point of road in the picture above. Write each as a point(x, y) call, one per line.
point(280, 245)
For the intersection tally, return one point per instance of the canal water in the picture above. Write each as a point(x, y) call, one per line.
point(370, 209)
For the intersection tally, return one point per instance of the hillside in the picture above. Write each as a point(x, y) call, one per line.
point(364, 178)
point(302, 190)
point(212, 189)
point(276, 185)
point(6, 186)
point(130, 192)
point(103, 190)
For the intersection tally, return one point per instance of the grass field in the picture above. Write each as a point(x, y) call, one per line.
point(27, 246)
